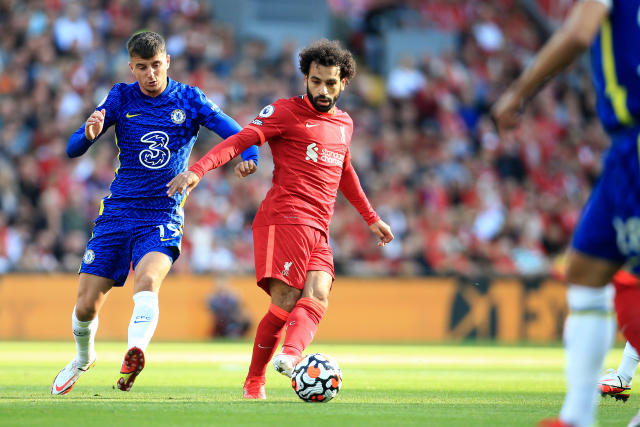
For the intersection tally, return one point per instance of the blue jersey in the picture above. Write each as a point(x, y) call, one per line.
point(154, 136)
point(615, 60)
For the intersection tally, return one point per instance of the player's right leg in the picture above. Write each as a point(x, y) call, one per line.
point(105, 264)
point(268, 334)
point(92, 293)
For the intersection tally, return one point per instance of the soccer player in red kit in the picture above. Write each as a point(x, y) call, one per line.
point(310, 142)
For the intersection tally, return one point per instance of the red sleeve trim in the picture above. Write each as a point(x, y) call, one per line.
point(259, 132)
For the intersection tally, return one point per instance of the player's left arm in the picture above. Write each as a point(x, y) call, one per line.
point(214, 119)
point(574, 37)
point(353, 192)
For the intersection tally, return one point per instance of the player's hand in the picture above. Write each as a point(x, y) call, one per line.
point(383, 231)
point(94, 124)
point(245, 168)
point(506, 111)
point(186, 181)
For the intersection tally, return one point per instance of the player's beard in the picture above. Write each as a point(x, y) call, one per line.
point(322, 108)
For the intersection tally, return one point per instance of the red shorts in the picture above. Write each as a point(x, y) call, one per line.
point(624, 278)
point(287, 251)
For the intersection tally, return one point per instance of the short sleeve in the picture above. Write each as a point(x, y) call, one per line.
point(270, 122)
point(206, 108)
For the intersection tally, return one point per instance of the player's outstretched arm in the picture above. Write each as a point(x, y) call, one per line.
point(383, 231)
point(576, 35)
point(82, 139)
point(225, 151)
point(186, 181)
point(225, 126)
point(216, 157)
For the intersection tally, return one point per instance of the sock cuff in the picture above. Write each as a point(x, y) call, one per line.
point(312, 305)
point(280, 313)
point(145, 296)
point(81, 323)
point(587, 298)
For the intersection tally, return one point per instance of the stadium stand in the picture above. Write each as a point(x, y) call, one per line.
point(460, 200)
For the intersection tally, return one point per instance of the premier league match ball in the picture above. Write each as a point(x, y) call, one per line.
point(316, 378)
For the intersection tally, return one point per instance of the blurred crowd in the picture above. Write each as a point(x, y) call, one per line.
point(460, 199)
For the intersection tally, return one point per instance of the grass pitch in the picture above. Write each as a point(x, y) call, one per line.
point(201, 384)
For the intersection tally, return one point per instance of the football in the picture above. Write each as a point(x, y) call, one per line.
point(316, 378)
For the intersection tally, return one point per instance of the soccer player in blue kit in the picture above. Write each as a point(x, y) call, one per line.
point(607, 236)
point(156, 124)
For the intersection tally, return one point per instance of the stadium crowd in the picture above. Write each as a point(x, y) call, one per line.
point(460, 200)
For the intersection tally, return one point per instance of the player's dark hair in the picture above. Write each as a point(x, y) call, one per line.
point(145, 44)
point(328, 53)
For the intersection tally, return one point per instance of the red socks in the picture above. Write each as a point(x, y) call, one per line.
point(303, 324)
point(267, 338)
point(626, 302)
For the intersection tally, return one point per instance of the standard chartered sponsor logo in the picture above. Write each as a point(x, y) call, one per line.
point(323, 155)
point(331, 157)
point(312, 152)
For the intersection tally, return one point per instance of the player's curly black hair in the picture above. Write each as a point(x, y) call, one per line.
point(328, 53)
point(145, 44)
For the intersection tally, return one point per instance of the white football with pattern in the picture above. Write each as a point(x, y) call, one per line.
point(316, 378)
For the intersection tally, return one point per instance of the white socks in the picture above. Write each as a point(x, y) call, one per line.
point(85, 334)
point(588, 334)
point(143, 320)
point(629, 363)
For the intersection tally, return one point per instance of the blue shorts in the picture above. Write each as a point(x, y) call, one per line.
point(609, 225)
point(117, 245)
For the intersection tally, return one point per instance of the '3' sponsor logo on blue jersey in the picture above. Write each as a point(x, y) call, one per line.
point(157, 154)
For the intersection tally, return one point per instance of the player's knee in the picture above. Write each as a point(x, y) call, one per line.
point(85, 309)
point(283, 295)
point(147, 282)
point(320, 298)
point(589, 271)
point(320, 294)
point(286, 301)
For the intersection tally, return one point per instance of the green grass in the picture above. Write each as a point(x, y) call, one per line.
point(200, 384)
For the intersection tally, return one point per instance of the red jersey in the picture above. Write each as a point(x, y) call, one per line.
point(311, 162)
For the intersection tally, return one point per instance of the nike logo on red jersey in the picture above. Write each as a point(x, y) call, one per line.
point(310, 126)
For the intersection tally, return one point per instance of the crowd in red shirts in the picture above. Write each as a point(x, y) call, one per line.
point(460, 199)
